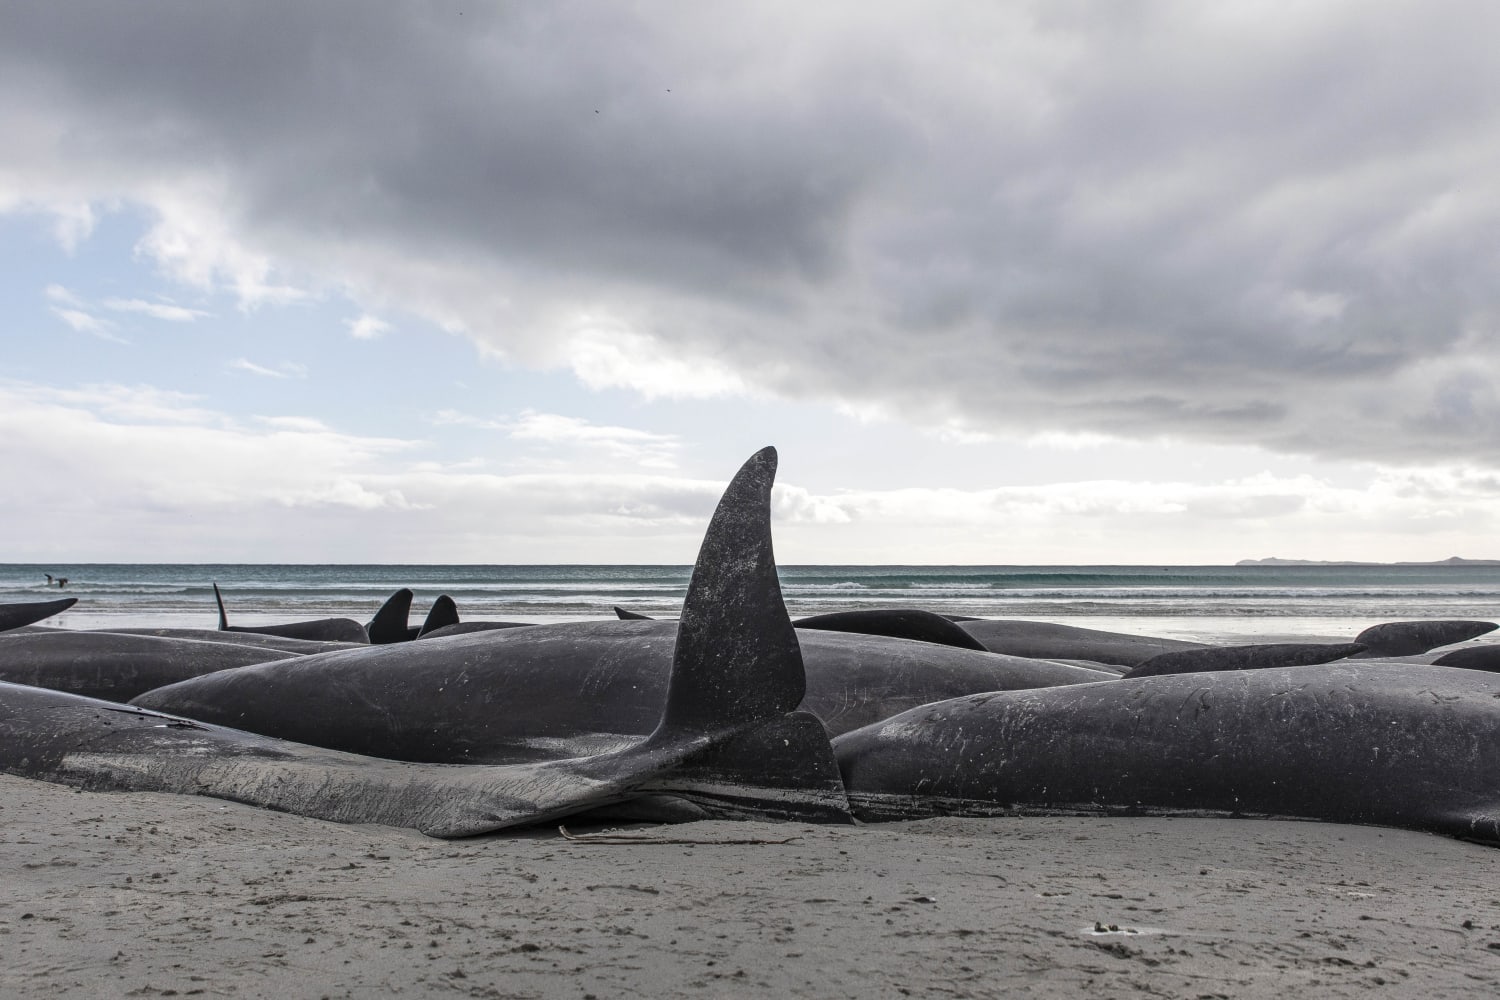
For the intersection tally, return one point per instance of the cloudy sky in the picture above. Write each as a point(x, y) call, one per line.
point(1005, 282)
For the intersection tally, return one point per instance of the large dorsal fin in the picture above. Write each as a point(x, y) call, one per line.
point(737, 658)
point(390, 622)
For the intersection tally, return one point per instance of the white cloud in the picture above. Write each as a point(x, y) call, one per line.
point(453, 418)
point(307, 425)
point(58, 293)
point(156, 310)
point(609, 355)
point(194, 240)
point(286, 369)
point(568, 438)
point(366, 327)
point(644, 448)
point(86, 322)
point(72, 224)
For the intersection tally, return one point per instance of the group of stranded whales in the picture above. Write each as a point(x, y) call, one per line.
point(736, 711)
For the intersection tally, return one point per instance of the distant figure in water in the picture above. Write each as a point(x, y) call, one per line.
point(61, 581)
point(49, 579)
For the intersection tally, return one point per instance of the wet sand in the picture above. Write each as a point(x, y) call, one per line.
point(150, 895)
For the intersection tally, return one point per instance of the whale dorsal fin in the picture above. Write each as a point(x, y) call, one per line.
point(444, 613)
point(737, 658)
point(223, 618)
point(389, 623)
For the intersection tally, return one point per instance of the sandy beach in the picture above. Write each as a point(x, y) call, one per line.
point(149, 895)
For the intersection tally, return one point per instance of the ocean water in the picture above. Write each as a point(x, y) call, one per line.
point(1208, 602)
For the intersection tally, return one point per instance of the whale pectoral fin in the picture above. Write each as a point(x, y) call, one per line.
point(20, 615)
point(783, 770)
point(630, 616)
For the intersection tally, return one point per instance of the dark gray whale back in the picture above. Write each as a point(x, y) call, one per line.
point(1410, 638)
point(1405, 745)
point(1255, 657)
point(1045, 640)
point(898, 623)
point(117, 666)
point(320, 629)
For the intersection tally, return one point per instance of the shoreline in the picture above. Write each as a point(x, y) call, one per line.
point(1212, 629)
point(147, 894)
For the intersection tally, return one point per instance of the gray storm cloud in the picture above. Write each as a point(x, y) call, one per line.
point(1243, 223)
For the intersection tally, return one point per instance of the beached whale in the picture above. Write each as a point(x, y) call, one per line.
point(897, 623)
point(1411, 638)
point(1405, 745)
point(320, 629)
point(1049, 641)
point(274, 642)
point(117, 666)
point(520, 694)
point(1253, 657)
point(28, 613)
point(468, 628)
point(728, 739)
point(1485, 657)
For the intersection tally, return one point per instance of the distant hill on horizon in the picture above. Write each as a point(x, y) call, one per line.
point(1450, 561)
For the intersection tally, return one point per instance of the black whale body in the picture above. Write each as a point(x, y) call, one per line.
point(1409, 638)
point(520, 694)
point(1049, 641)
point(277, 643)
point(1483, 657)
point(896, 623)
point(318, 629)
point(1253, 657)
point(1405, 745)
point(117, 666)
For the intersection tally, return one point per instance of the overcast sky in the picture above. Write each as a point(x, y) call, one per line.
point(1004, 282)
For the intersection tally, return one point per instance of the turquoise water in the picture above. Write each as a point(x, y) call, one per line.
point(1172, 600)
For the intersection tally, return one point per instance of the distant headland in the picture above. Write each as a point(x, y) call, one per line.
point(1451, 561)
